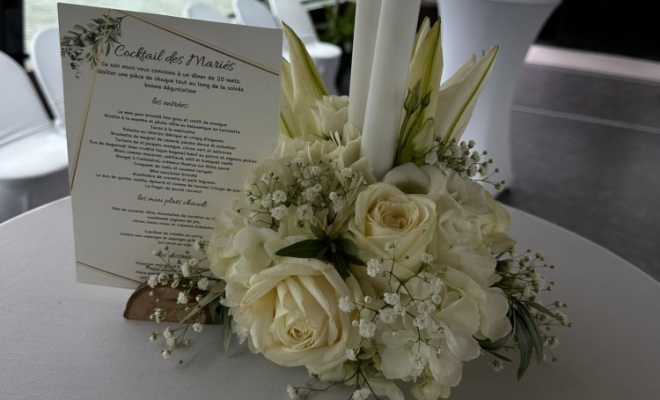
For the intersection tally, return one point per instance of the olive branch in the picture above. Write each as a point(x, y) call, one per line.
point(86, 44)
point(340, 251)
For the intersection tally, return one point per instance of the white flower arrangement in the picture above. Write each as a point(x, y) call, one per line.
point(366, 281)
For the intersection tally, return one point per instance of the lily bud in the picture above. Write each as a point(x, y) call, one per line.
point(413, 99)
point(426, 99)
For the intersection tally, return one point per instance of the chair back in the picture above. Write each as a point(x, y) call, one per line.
point(205, 12)
point(21, 111)
point(45, 55)
point(253, 13)
point(292, 13)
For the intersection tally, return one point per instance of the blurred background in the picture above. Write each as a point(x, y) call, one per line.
point(577, 104)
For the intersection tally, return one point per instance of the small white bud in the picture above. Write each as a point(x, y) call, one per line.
point(182, 298)
point(496, 365)
point(392, 247)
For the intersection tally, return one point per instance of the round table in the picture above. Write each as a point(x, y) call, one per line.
point(63, 340)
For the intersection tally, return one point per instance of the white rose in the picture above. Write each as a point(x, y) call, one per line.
point(292, 313)
point(330, 114)
point(383, 214)
point(410, 178)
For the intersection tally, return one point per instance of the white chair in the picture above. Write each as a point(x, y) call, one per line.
point(326, 56)
point(205, 12)
point(255, 13)
point(33, 155)
point(47, 63)
point(472, 27)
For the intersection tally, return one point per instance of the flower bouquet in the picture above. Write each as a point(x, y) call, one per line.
point(369, 266)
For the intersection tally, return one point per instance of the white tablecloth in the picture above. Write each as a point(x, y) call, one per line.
point(61, 340)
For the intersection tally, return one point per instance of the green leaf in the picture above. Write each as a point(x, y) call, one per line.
point(319, 233)
point(309, 248)
point(226, 329)
point(347, 246)
point(215, 309)
point(532, 329)
point(492, 346)
point(524, 345)
point(540, 308)
point(214, 294)
point(354, 260)
point(501, 357)
point(322, 252)
point(340, 265)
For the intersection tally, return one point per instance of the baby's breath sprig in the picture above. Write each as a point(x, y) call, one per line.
point(196, 287)
point(417, 299)
point(461, 158)
point(358, 372)
point(531, 320)
point(308, 190)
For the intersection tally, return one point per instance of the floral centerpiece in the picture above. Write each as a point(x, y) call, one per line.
point(368, 267)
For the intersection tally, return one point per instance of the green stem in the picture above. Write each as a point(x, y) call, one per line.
point(402, 133)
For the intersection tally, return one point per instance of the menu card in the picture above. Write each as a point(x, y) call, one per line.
point(165, 119)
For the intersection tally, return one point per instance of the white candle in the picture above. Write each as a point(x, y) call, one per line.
point(387, 88)
point(364, 43)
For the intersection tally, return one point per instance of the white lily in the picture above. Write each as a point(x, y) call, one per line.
point(302, 86)
point(426, 65)
point(458, 95)
point(423, 82)
point(288, 125)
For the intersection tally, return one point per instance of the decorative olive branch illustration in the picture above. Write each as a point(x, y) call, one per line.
point(85, 44)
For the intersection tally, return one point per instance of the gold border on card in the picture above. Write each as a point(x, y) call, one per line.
point(91, 90)
point(201, 43)
point(88, 104)
point(74, 166)
point(107, 272)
